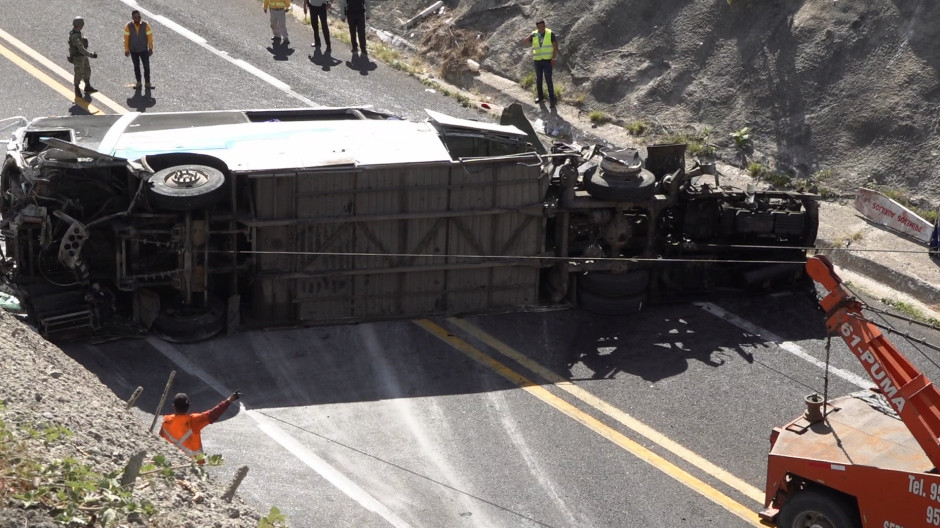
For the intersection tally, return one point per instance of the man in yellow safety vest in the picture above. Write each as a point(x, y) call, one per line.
point(279, 10)
point(544, 52)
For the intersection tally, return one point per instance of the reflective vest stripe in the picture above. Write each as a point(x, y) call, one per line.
point(546, 49)
point(179, 442)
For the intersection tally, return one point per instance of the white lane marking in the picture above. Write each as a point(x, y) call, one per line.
point(788, 346)
point(325, 470)
point(268, 427)
point(200, 41)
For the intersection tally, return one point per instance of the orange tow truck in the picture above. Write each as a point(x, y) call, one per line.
point(863, 460)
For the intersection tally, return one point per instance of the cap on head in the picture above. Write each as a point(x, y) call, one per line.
point(78, 21)
point(181, 402)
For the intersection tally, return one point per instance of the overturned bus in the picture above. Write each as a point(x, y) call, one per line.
point(192, 223)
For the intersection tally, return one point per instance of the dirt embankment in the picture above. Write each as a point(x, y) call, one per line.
point(63, 434)
point(825, 86)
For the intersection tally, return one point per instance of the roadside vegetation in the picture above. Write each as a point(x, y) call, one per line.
point(912, 311)
point(74, 494)
point(68, 490)
point(599, 118)
point(637, 128)
point(697, 143)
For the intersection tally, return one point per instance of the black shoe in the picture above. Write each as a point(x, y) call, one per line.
point(328, 48)
point(316, 44)
point(90, 90)
point(137, 85)
point(286, 42)
point(78, 92)
point(149, 86)
point(552, 104)
point(539, 100)
point(355, 49)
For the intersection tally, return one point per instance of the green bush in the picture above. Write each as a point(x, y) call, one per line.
point(598, 118)
point(742, 138)
point(528, 81)
point(637, 128)
point(696, 144)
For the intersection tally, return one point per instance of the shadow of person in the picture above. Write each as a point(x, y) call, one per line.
point(80, 107)
point(362, 63)
point(141, 101)
point(324, 59)
point(280, 51)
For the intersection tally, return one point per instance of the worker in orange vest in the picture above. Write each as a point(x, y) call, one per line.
point(183, 429)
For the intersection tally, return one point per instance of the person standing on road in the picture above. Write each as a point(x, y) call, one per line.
point(356, 12)
point(279, 9)
point(544, 52)
point(138, 44)
point(318, 18)
point(184, 430)
point(78, 56)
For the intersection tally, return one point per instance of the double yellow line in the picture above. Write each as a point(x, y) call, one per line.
point(595, 425)
point(64, 89)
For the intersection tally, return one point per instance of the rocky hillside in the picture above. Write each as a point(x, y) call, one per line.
point(65, 439)
point(842, 89)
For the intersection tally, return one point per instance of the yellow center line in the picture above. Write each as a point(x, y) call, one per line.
point(593, 424)
point(628, 421)
point(67, 91)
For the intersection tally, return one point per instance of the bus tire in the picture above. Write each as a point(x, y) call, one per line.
point(637, 188)
point(609, 284)
point(186, 187)
point(188, 324)
point(818, 507)
point(602, 305)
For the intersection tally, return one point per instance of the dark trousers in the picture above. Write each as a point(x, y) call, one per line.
point(141, 57)
point(318, 14)
point(357, 26)
point(543, 68)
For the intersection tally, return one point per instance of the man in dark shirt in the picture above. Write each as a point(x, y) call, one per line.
point(356, 12)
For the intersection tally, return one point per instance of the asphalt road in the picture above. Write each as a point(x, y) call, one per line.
point(553, 419)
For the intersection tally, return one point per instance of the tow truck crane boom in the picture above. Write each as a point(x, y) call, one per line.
point(856, 464)
point(910, 393)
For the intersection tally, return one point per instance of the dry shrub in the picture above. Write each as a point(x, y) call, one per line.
point(450, 47)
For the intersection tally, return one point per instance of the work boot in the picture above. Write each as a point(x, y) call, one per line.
point(137, 85)
point(78, 91)
point(89, 89)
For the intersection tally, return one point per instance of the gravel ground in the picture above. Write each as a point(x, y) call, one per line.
point(53, 409)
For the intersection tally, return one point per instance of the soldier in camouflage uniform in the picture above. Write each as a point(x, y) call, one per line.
point(78, 56)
